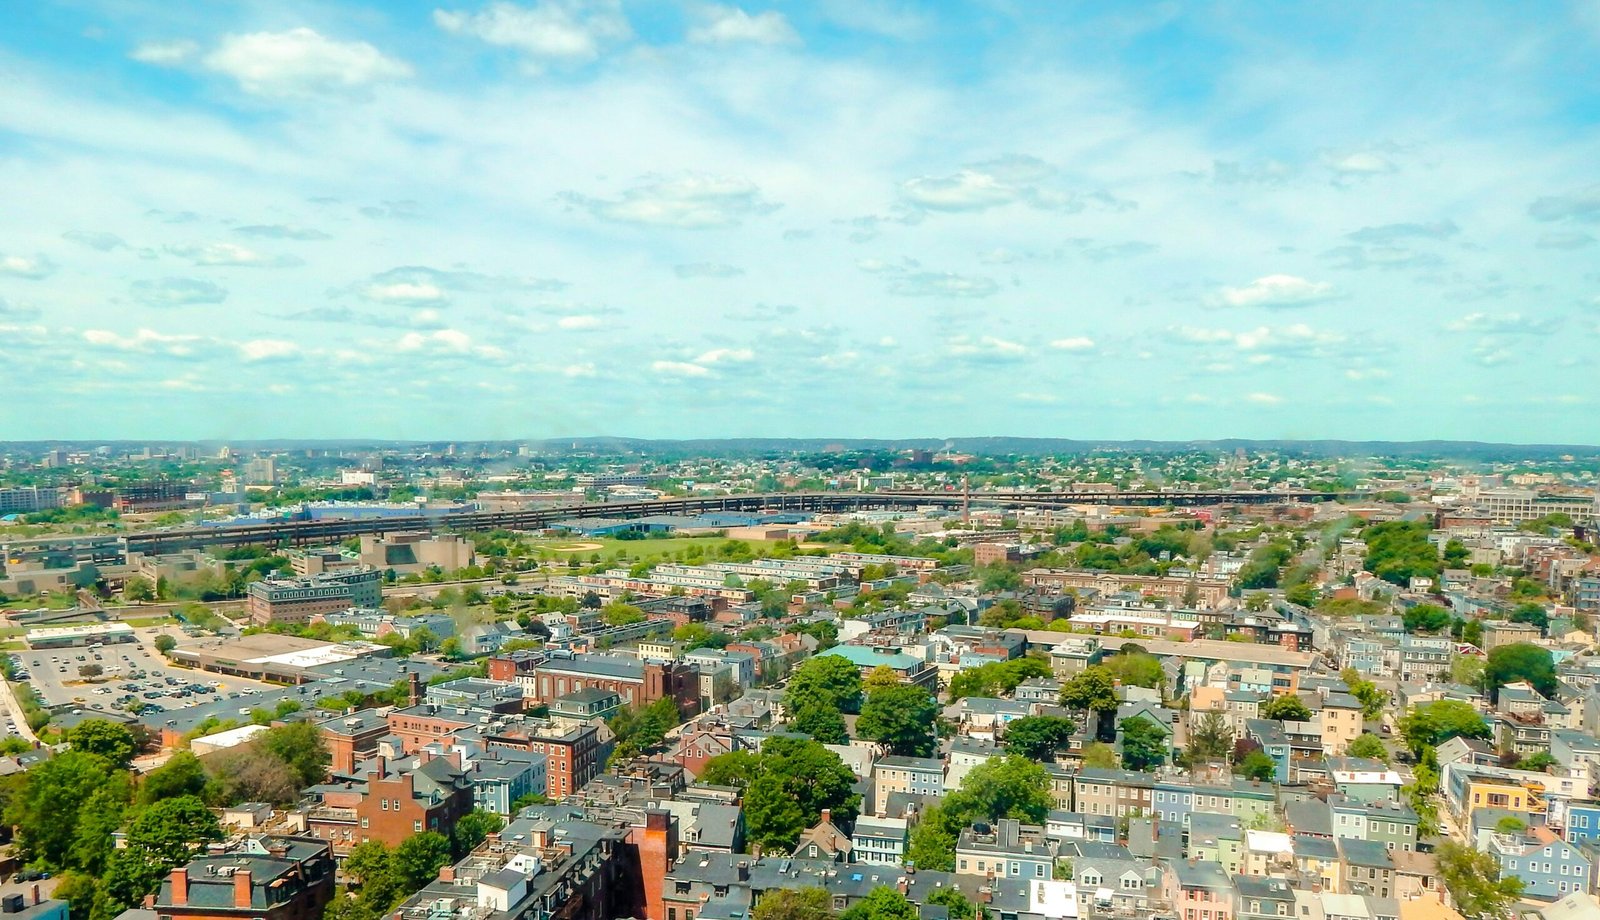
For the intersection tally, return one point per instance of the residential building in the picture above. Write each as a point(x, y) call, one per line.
point(388, 801)
point(297, 600)
point(1006, 849)
point(914, 775)
point(414, 553)
point(1550, 868)
point(266, 877)
point(880, 841)
point(1198, 890)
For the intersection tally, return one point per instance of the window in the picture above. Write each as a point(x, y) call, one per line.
point(416, 826)
point(1038, 871)
point(364, 822)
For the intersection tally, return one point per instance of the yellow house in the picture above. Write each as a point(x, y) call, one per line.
point(1486, 794)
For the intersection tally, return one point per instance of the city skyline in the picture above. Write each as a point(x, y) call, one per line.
point(473, 221)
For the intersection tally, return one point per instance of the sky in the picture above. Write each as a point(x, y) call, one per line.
point(831, 218)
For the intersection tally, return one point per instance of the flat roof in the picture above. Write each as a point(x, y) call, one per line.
point(91, 629)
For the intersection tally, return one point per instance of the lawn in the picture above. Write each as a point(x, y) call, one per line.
point(141, 622)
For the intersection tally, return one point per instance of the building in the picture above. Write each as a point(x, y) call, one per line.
point(1202, 591)
point(1550, 868)
point(1007, 849)
point(880, 841)
point(1197, 889)
point(388, 801)
point(28, 499)
point(547, 678)
point(352, 738)
point(297, 600)
point(79, 636)
point(913, 775)
point(259, 878)
point(413, 553)
point(909, 668)
point(574, 753)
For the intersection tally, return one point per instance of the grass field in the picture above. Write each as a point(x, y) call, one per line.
point(635, 550)
point(141, 622)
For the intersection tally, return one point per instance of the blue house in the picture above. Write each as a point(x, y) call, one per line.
point(1549, 867)
point(1274, 743)
point(1583, 822)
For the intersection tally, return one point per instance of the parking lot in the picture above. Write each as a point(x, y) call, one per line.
point(133, 672)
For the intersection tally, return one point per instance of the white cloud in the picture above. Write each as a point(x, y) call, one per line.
point(679, 369)
point(446, 342)
point(1275, 292)
point(164, 54)
point(177, 292)
point(301, 62)
point(267, 350)
point(1265, 399)
point(723, 25)
point(1045, 398)
point(726, 356)
point(144, 340)
point(693, 202)
point(406, 293)
point(707, 270)
point(1013, 179)
point(1360, 164)
point(578, 370)
point(1074, 343)
point(571, 31)
point(987, 349)
point(281, 232)
point(1367, 373)
point(229, 254)
point(95, 239)
point(577, 322)
point(31, 267)
point(1503, 324)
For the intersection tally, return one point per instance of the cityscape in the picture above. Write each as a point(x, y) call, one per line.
point(762, 460)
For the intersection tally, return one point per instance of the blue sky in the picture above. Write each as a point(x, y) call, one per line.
point(830, 218)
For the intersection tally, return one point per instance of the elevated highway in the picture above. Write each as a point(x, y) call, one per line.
point(305, 533)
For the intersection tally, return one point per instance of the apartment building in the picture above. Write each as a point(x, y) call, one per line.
point(266, 877)
point(388, 801)
point(297, 600)
point(914, 775)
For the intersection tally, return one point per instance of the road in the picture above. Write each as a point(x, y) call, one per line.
point(9, 699)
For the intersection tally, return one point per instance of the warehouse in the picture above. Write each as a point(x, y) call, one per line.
point(79, 636)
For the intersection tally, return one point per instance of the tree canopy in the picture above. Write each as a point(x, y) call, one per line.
point(1369, 746)
point(1144, 743)
point(1432, 724)
point(1398, 551)
point(1286, 707)
point(996, 678)
point(825, 680)
point(1520, 661)
point(108, 739)
point(786, 786)
point(1002, 787)
point(1038, 737)
point(900, 717)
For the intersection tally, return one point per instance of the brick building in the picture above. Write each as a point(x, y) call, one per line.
point(389, 801)
point(352, 738)
point(574, 753)
point(260, 878)
point(545, 679)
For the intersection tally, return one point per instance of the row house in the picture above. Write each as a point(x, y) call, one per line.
point(388, 802)
point(265, 877)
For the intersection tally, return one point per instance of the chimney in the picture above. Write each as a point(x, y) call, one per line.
point(447, 873)
point(180, 887)
point(827, 816)
point(414, 688)
point(241, 889)
point(903, 884)
point(35, 894)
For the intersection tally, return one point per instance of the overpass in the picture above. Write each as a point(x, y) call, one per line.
point(306, 533)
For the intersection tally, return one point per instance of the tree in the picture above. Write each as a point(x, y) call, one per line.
point(1398, 551)
point(1467, 670)
point(165, 644)
point(1144, 743)
point(642, 729)
point(1210, 739)
point(1257, 765)
point(250, 775)
point(794, 904)
point(1520, 661)
point(346, 907)
point(1373, 700)
point(1431, 724)
point(880, 678)
point(1538, 761)
point(1038, 737)
point(472, 829)
point(954, 901)
point(1369, 746)
point(138, 589)
point(1532, 613)
point(883, 903)
point(416, 861)
point(900, 717)
point(620, 614)
point(1426, 618)
point(1002, 787)
point(162, 836)
point(996, 678)
point(90, 670)
point(100, 818)
point(786, 787)
point(300, 747)
point(1136, 669)
point(822, 724)
point(933, 842)
point(1099, 756)
point(371, 865)
point(47, 808)
point(1286, 707)
point(1456, 554)
point(107, 739)
point(1473, 878)
point(182, 774)
point(825, 680)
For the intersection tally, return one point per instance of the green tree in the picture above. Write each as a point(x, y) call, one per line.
point(182, 774)
point(100, 818)
point(473, 829)
point(1431, 724)
point(883, 903)
point(139, 589)
point(1532, 613)
point(619, 614)
point(1373, 701)
point(416, 861)
point(901, 718)
point(786, 787)
point(109, 740)
point(794, 904)
point(640, 730)
point(1099, 756)
point(953, 900)
point(1038, 737)
point(346, 907)
point(47, 808)
point(300, 747)
point(1136, 669)
point(1398, 551)
point(1210, 739)
point(1369, 746)
point(1285, 707)
point(1520, 661)
point(825, 680)
point(1474, 881)
point(165, 644)
point(1455, 554)
point(1144, 743)
point(1256, 765)
point(1467, 670)
point(162, 836)
point(822, 724)
point(1002, 787)
point(1426, 618)
point(371, 865)
point(79, 890)
point(996, 678)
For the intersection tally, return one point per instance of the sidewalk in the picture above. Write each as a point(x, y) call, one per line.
point(9, 699)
